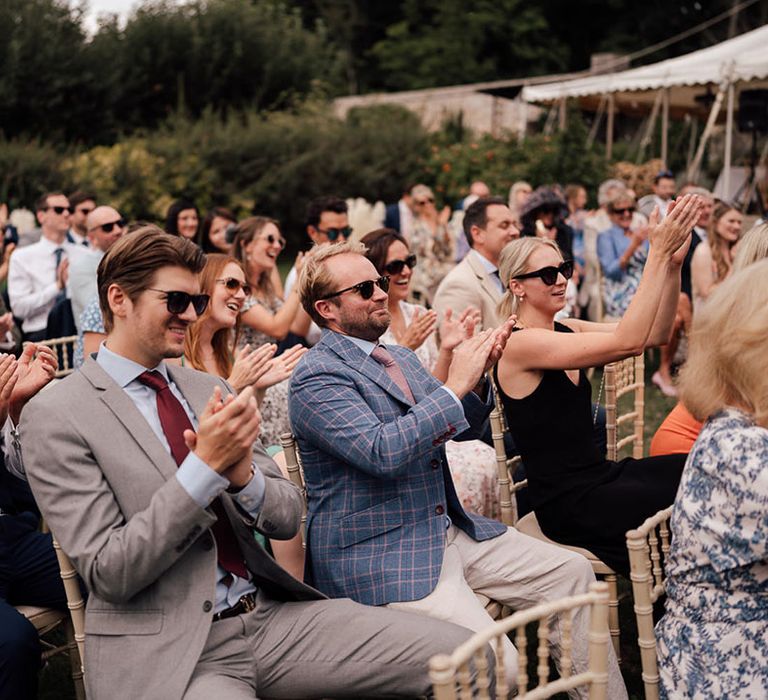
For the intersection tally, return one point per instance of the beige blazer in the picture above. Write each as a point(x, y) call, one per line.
point(104, 483)
point(466, 285)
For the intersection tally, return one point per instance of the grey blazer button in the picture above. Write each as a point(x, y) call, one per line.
point(435, 463)
point(207, 606)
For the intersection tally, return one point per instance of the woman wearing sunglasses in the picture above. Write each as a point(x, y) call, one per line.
point(472, 463)
point(580, 498)
point(266, 317)
point(622, 253)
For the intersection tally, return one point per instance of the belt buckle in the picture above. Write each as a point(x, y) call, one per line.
point(248, 601)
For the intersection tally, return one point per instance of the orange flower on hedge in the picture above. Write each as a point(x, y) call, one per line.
point(446, 167)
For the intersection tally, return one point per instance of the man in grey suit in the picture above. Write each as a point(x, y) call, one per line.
point(488, 225)
point(154, 488)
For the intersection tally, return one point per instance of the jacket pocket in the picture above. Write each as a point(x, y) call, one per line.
point(371, 522)
point(111, 622)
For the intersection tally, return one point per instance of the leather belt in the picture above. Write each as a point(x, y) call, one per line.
point(244, 605)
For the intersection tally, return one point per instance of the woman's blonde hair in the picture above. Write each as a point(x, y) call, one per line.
point(728, 350)
point(753, 246)
point(722, 265)
point(514, 261)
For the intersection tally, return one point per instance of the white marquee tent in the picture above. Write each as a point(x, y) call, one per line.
point(741, 62)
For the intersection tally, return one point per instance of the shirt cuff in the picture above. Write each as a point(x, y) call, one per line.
point(200, 481)
point(455, 398)
point(251, 497)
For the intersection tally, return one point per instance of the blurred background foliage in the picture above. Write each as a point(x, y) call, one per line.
point(227, 101)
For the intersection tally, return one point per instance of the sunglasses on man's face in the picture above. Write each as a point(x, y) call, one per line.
point(335, 233)
point(549, 274)
point(107, 228)
point(423, 202)
point(396, 266)
point(85, 211)
point(233, 284)
point(60, 210)
point(625, 210)
point(178, 302)
point(364, 289)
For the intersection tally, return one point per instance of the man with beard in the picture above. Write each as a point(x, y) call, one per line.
point(384, 524)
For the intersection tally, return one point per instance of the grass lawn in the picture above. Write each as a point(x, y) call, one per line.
point(56, 683)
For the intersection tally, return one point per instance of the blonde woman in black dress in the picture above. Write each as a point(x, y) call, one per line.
point(580, 498)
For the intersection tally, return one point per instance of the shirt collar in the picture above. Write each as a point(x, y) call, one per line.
point(48, 243)
point(365, 345)
point(488, 266)
point(123, 370)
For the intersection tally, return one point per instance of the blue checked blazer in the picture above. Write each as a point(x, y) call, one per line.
point(378, 483)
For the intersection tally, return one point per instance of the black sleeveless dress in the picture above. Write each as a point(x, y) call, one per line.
point(579, 497)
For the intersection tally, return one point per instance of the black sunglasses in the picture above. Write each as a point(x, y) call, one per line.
point(178, 302)
point(107, 228)
point(60, 210)
point(396, 266)
point(334, 233)
point(624, 210)
point(233, 284)
point(271, 239)
point(549, 274)
point(364, 289)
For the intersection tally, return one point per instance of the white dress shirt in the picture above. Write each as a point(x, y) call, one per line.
point(32, 287)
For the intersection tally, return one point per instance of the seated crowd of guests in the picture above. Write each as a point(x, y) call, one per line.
point(382, 352)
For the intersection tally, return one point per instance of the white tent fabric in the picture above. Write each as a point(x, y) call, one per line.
point(743, 58)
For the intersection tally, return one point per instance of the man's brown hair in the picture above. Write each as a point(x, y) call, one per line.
point(132, 261)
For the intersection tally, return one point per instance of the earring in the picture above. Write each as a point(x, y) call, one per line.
point(520, 299)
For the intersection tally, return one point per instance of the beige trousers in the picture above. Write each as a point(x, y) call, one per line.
point(518, 571)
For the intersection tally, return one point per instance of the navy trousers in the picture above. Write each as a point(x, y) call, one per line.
point(29, 575)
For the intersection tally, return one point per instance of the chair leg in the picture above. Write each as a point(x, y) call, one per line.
point(75, 662)
point(613, 613)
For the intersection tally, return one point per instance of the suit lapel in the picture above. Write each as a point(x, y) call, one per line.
point(486, 285)
point(126, 412)
point(357, 360)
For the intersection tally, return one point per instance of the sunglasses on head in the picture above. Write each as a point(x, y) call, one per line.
point(396, 266)
point(271, 239)
point(364, 289)
point(549, 274)
point(178, 302)
point(107, 228)
point(233, 284)
point(334, 233)
point(60, 210)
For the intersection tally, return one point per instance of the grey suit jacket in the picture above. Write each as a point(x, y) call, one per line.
point(104, 483)
point(468, 285)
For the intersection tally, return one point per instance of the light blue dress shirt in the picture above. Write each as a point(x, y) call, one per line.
point(491, 270)
point(201, 482)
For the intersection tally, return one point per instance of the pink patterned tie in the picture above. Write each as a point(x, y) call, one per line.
point(383, 357)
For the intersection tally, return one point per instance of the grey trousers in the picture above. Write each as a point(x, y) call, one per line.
point(321, 649)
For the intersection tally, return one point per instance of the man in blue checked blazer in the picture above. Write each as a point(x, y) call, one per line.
point(384, 525)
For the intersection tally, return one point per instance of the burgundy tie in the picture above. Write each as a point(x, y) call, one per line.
point(174, 420)
point(384, 357)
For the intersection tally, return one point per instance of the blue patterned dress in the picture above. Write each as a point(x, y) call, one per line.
point(713, 638)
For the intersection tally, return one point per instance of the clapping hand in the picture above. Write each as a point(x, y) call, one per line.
point(422, 325)
point(454, 331)
point(672, 235)
point(250, 365)
point(36, 367)
point(8, 379)
point(281, 367)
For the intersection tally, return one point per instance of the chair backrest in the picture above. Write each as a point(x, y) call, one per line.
point(505, 466)
point(64, 348)
point(453, 672)
point(75, 601)
point(648, 547)
point(296, 475)
point(624, 427)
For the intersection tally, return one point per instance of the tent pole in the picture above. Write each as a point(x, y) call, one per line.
point(609, 129)
point(728, 141)
point(664, 125)
point(693, 170)
point(563, 116)
point(598, 118)
point(650, 127)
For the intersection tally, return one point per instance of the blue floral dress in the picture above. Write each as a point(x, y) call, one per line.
point(713, 638)
point(90, 322)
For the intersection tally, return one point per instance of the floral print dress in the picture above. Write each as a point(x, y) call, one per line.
point(713, 638)
point(274, 406)
point(472, 463)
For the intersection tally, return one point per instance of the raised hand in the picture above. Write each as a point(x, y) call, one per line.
point(470, 360)
point(35, 368)
point(281, 367)
point(422, 325)
point(454, 331)
point(250, 365)
point(669, 236)
point(8, 379)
